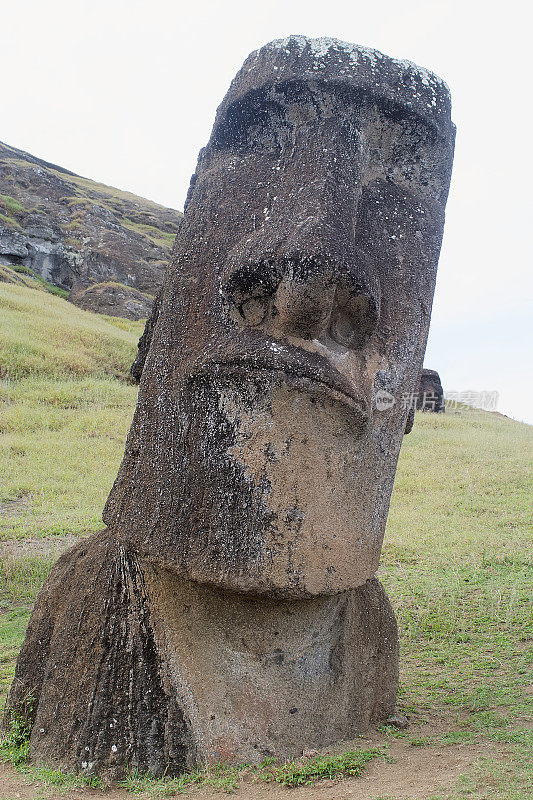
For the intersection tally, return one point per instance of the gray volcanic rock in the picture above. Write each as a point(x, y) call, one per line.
point(76, 233)
point(114, 299)
point(430, 395)
point(233, 599)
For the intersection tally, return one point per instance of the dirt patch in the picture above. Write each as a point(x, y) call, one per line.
point(44, 548)
point(11, 507)
point(413, 773)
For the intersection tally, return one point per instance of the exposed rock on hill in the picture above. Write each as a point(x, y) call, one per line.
point(114, 299)
point(25, 277)
point(108, 248)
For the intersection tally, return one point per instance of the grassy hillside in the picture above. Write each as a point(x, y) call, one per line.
point(456, 561)
point(44, 336)
point(66, 408)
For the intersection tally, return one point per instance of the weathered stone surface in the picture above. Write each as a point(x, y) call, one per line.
point(145, 340)
point(114, 299)
point(430, 396)
point(100, 694)
point(130, 664)
point(237, 579)
point(300, 286)
point(78, 234)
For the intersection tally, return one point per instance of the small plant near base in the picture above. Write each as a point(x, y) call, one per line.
point(218, 777)
point(421, 741)
point(15, 743)
point(390, 731)
point(64, 780)
point(302, 773)
point(227, 778)
point(15, 750)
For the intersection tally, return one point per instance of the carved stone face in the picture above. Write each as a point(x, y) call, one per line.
point(263, 450)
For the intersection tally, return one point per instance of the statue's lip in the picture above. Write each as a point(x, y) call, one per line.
point(324, 381)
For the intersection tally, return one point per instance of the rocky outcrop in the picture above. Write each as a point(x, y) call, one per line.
point(114, 299)
point(78, 234)
point(430, 395)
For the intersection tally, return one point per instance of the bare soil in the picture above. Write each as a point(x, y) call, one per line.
point(47, 548)
point(413, 773)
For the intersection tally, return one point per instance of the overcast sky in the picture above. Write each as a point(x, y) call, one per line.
point(125, 92)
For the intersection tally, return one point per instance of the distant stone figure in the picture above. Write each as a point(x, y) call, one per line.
point(430, 396)
point(231, 612)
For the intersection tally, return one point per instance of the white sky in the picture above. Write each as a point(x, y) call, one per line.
point(125, 92)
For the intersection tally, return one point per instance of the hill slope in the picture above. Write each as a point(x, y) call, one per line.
point(66, 407)
point(106, 247)
point(44, 336)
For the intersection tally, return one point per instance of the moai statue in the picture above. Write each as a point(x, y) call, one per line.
point(430, 396)
point(231, 611)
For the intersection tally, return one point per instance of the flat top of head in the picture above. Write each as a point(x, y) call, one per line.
point(333, 61)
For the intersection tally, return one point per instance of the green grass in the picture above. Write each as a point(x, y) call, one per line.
point(20, 275)
point(22, 270)
point(36, 281)
point(118, 285)
point(304, 772)
point(77, 224)
point(43, 335)
point(64, 414)
point(60, 447)
point(456, 561)
point(158, 236)
point(9, 222)
point(15, 744)
point(218, 778)
point(14, 620)
point(457, 567)
point(27, 277)
point(14, 750)
point(21, 579)
point(227, 778)
point(10, 208)
point(11, 205)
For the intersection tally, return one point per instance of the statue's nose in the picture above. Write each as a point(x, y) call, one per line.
point(304, 298)
point(298, 274)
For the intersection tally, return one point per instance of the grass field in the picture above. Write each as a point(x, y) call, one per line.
point(66, 407)
point(456, 561)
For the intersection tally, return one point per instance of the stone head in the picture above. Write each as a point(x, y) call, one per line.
point(260, 457)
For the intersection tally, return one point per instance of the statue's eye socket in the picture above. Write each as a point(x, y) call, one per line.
point(247, 123)
point(354, 318)
point(250, 290)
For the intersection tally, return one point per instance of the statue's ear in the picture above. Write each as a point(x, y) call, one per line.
point(409, 421)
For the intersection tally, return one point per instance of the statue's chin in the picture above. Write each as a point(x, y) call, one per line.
point(301, 519)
